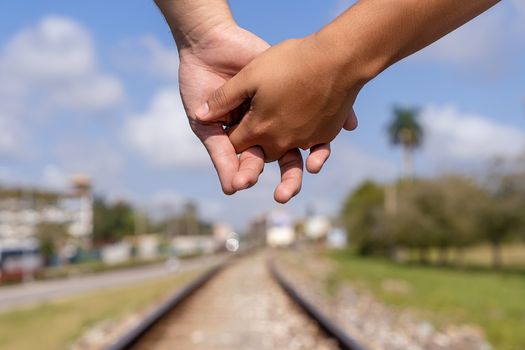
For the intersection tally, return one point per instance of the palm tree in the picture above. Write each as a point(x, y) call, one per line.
point(406, 131)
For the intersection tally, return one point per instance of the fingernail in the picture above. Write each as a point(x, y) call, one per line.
point(202, 111)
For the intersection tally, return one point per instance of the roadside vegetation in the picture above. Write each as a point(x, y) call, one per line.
point(457, 242)
point(443, 216)
point(492, 300)
point(56, 325)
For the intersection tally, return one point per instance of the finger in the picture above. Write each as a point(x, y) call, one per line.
point(351, 121)
point(250, 167)
point(225, 99)
point(291, 165)
point(222, 154)
point(319, 154)
point(241, 136)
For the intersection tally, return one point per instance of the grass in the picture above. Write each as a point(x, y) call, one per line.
point(480, 256)
point(494, 301)
point(477, 257)
point(91, 267)
point(57, 324)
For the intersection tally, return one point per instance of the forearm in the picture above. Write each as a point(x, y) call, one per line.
point(374, 34)
point(191, 20)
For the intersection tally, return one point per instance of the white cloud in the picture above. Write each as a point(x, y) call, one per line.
point(455, 136)
point(56, 60)
point(162, 133)
point(486, 43)
point(148, 55)
point(56, 49)
point(46, 68)
point(93, 93)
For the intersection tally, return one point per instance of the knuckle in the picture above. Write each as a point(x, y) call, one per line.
point(284, 144)
point(308, 145)
point(271, 154)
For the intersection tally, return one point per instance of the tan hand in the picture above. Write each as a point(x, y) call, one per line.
point(297, 100)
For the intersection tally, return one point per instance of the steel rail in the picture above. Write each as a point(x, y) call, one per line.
point(345, 341)
point(134, 335)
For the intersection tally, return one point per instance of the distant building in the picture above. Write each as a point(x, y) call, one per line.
point(317, 227)
point(280, 231)
point(23, 209)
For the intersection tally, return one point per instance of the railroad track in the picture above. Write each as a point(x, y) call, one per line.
point(243, 304)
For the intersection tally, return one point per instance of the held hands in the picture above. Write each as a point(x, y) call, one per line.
point(212, 50)
point(295, 96)
point(206, 66)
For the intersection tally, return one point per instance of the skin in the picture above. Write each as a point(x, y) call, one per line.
point(301, 91)
point(212, 49)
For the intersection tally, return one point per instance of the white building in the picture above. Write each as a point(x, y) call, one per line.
point(23, 209)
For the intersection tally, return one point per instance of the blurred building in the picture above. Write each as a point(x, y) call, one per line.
point(22, 210)
point(194, 245)
point(317, 227)
point(280, 231)
point(274, 228)
point(256, 231)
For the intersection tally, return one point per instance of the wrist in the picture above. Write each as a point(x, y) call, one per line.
point(350, 57)
point(349, 68)
point(195, 22)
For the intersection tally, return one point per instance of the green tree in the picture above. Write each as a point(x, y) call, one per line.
point(187, 222)
point(415, 223)
point(406, 131)
point(499, 219)
point(440, 213)
point(456, 214)
point(112, 222)
point(502, 217)
point(363, 216)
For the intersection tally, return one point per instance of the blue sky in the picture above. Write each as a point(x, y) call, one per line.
point(91, 87)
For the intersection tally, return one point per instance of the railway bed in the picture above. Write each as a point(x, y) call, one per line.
point(245, 304)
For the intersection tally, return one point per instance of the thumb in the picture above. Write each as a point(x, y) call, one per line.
point(225, 99)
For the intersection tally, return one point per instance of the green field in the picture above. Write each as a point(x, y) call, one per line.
point(494, 301)
point(57, 324)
